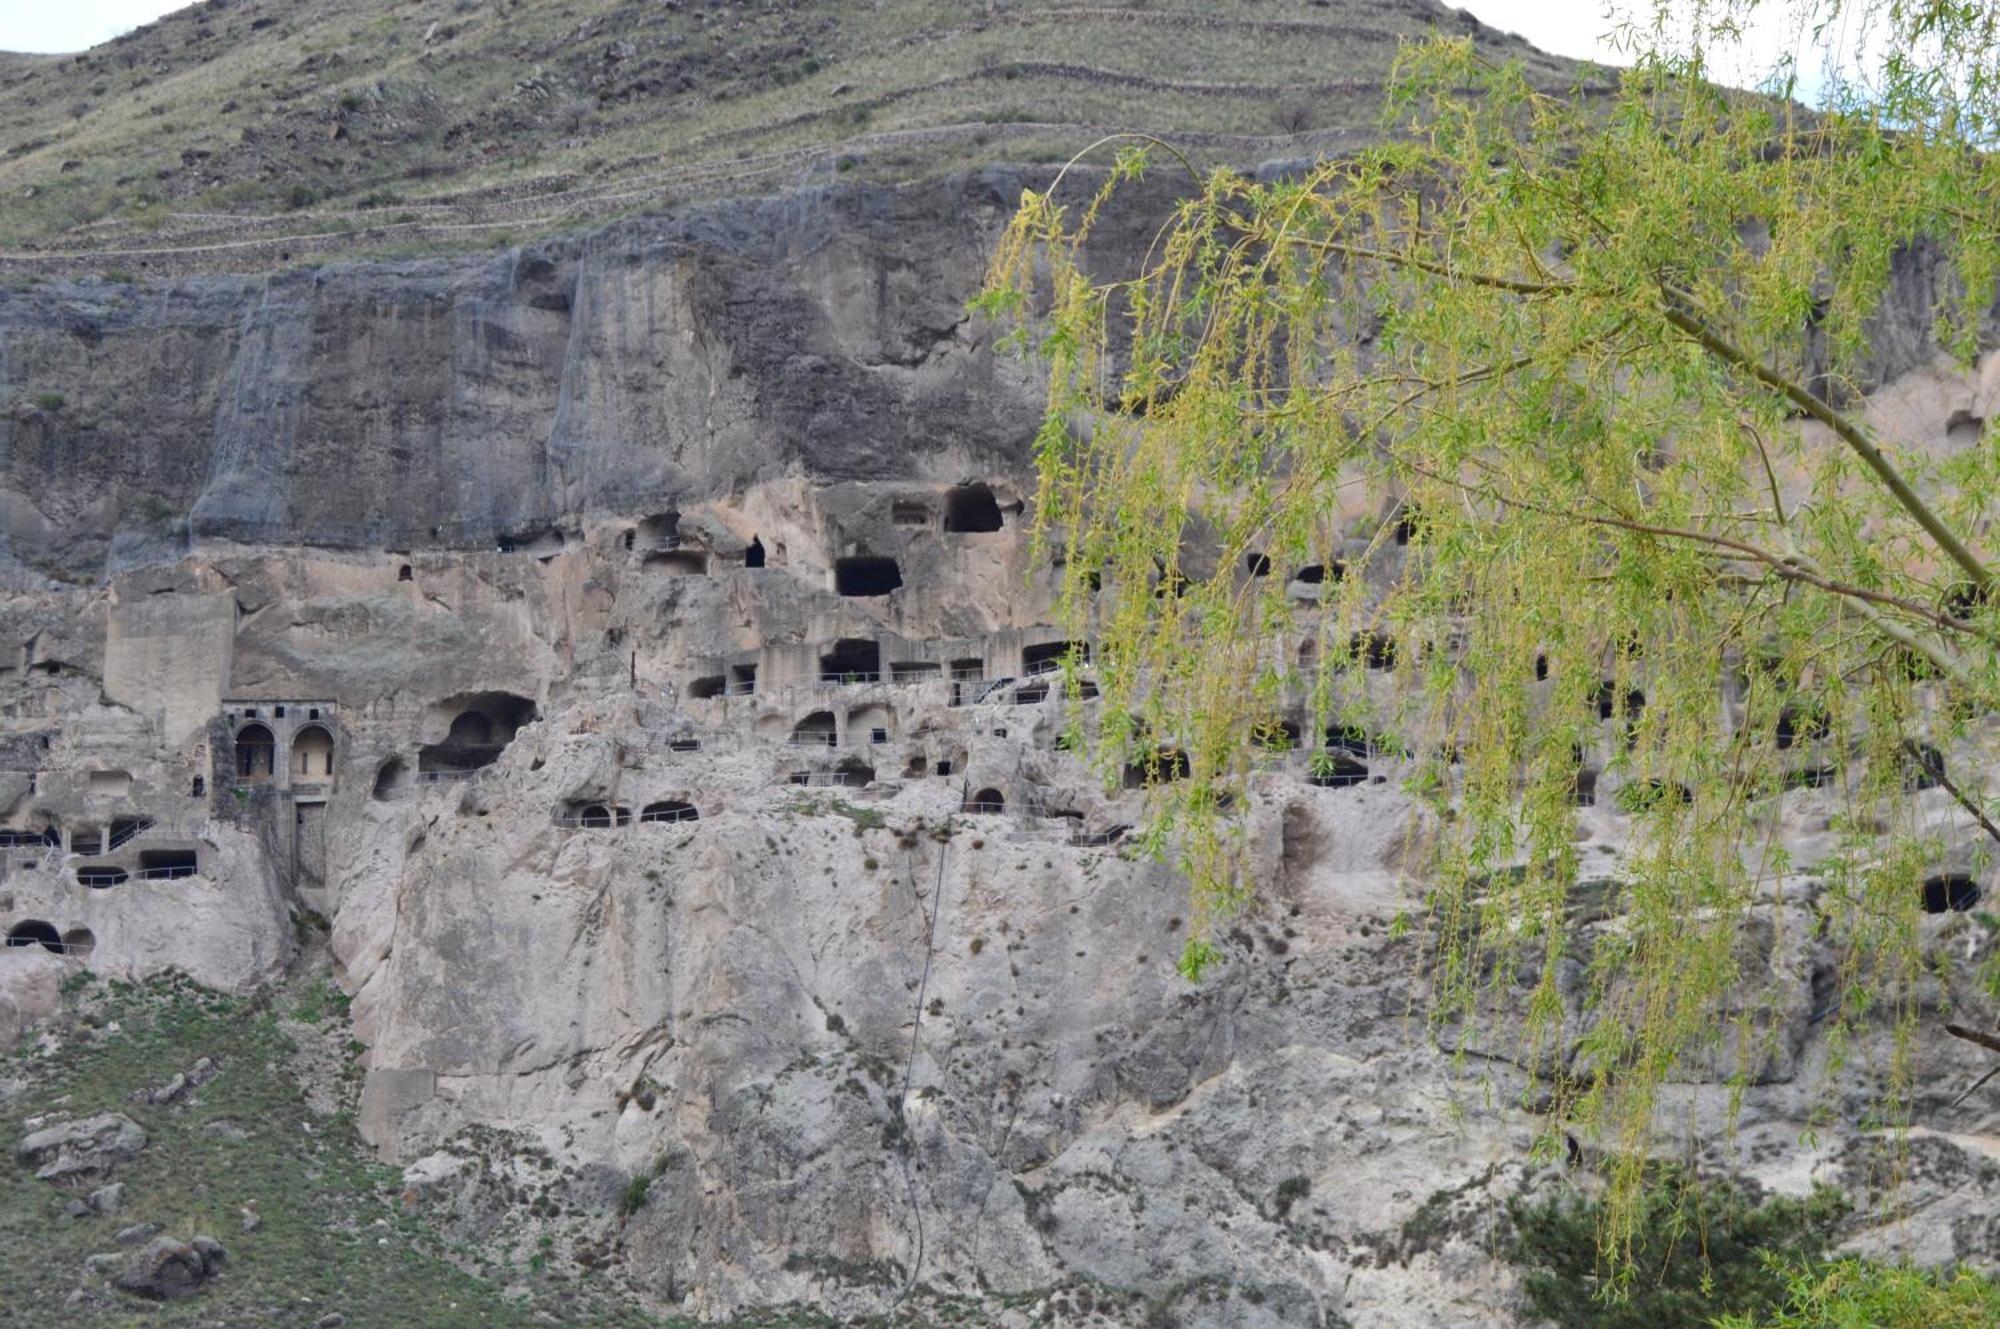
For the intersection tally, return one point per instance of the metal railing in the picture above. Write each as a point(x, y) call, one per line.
point(174, 873)
point(982, 807)
point(812, 739)
point(851, 676)
point(443, 777)
point(124, 833)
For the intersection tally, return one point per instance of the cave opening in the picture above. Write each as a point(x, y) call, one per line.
point(971, 509)
point(167, 864)
point(851, 660)
point(1950, 892)
point(866, 575)
point(34, 932)
point(1049, 656)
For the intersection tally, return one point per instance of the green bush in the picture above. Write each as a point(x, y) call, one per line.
point(1704, 1249)
point(1860, 1294)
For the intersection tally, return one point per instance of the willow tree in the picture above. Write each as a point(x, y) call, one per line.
point(1564, 396)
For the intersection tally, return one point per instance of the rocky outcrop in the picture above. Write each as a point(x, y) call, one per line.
point(167, 1269)
point(629, 649)
point(85, 1148)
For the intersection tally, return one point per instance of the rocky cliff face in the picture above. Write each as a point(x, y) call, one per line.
point(632, 648)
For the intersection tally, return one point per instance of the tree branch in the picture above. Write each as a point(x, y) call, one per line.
point(1944, 781)
point(1846, 429)
point(1991, 1042)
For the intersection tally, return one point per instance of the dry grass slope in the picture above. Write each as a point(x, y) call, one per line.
point(390, 125)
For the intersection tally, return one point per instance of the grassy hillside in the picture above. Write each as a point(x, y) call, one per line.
point(458, 120)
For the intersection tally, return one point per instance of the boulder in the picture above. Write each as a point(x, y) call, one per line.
point(30, 990)
point(84, 1147)
point(167, 1269)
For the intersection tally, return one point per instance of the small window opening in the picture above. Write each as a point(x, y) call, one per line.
point(1607, 701)
point(594, 816)
point(1312, 574)
point(101, 876)
point(1583, 790)
point(908, 512)
point(1649, 794)
point(971, 509)
point(1794, 725)
point(707, 686)
point(1031, 696)
point(944, 768)
point(278, 712)
point(866, 575)
point(684, 745)
point(986, 800)
point(1257, 565)
point(670, 810)
point(742, 680)
point(753, 557)
point(1377, 650)
point(406, 573)
point(1541, 668)
point(200, 789)
point(1952, 892)
point(1157, 768)
point(1962, 600)
point(78, 943)
point(878, 735)
point(1405, 528)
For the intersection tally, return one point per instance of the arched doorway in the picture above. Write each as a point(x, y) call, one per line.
point(256, 752)
point(34, 932)
point(312, 753)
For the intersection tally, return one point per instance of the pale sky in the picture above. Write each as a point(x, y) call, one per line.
point(1576, 28)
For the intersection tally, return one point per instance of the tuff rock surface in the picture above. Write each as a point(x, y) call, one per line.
point(491, 609)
